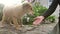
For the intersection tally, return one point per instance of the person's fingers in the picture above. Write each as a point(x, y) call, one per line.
point(37, 22)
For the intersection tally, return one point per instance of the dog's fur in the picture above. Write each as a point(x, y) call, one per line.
point(14, 14)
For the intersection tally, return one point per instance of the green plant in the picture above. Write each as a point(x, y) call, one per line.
point(51, 18)
point(38, 9)
point(28, 19)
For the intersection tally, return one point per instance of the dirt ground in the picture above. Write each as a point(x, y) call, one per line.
point(41, 29)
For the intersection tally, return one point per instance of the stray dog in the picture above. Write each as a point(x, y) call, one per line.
point(14, 14)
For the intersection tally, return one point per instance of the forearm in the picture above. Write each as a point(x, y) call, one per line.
point(51, 9)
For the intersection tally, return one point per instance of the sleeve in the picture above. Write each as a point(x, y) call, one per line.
point(51, 9)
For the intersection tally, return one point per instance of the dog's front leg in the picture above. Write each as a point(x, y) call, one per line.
point(15, 22)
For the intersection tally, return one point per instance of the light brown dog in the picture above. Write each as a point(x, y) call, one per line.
point(14, 14)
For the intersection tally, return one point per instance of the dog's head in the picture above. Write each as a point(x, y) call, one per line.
point(28, 8)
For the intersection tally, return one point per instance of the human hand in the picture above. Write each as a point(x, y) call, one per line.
point(38, 20)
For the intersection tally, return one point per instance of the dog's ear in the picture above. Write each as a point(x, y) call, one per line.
point(27, 6)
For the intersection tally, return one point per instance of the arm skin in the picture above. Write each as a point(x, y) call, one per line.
point(51, 9)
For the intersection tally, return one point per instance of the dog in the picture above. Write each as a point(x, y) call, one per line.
point(14, 14)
